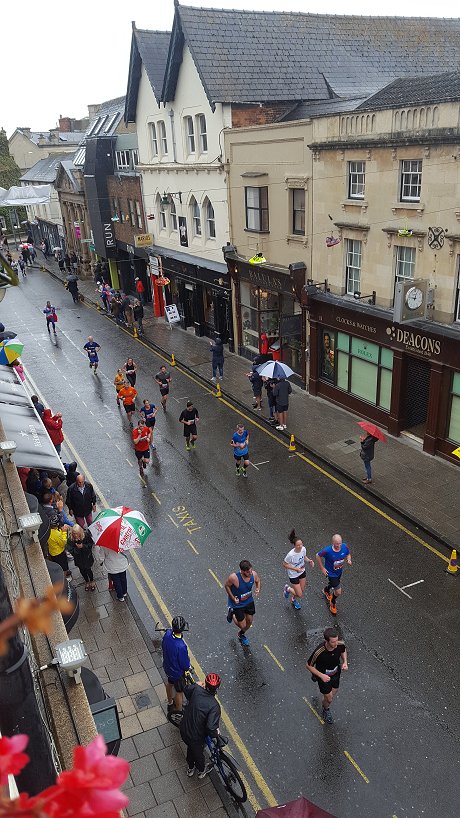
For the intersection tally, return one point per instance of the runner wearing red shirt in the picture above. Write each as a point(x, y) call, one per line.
point(141, 436)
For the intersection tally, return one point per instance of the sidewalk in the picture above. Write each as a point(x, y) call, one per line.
point(425, 489)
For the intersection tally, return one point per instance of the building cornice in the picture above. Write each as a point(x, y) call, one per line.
point(439, 136)
point(180, 167)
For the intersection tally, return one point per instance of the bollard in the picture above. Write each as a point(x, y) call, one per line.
point(292, 444)
point(452, 568)
point(135, 332)
point(218, 391)
point(173, 360)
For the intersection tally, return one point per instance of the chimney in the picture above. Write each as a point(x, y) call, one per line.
point(93, 109)
point(65, 124)
point(25, 131)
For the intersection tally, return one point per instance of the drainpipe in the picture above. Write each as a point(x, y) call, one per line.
point(173, 133)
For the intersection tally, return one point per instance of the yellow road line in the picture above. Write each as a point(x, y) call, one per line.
point(156, 498)
point(303, 457)
point(274, 658)
point(249, 761)
point(173, 521)
point(214, 576)
point(315, 712)
point(356, 766)
point(193, 547)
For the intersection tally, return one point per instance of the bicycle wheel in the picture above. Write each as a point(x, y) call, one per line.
point(231, 778)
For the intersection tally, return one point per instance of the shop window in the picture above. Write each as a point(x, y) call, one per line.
point(210, 220)
point(298, 211)
point(454, 420)
point(411, 180)
point(163, 138)
point(327, 356)
point(249, 294)
point(196, 216)
point(256, 201)
point(189, 134)
point(153, 139)
point(202, 133)
point(405, 263)
point(364, 380)
point(357, 366)
point(250, 329)
point(172, 215)
point(353, 249)
point(356, 180)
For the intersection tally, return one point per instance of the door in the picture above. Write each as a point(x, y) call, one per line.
point(416, 393)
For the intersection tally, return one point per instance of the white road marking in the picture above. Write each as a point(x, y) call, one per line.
point(100, 424)
point(262, 463)
point(411, 584)
point(254, 466)
point(399, 589)
point(84, 404)
point(109, 436)
point(129, 461)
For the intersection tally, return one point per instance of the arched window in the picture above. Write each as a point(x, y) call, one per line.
point(196, 216)
point(210, 220)
point(172, 214)
point(161, 209)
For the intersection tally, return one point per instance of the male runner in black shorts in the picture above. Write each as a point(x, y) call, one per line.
point(325, 664)
point(163, 379)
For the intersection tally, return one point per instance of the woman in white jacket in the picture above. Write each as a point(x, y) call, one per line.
point(115, 563)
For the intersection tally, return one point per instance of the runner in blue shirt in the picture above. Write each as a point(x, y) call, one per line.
point(239, 587)
point(149, 411)
point(334, 557)
point(92, 348)
point(240, 443)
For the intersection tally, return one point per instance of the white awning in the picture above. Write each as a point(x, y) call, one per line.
point(27, 195)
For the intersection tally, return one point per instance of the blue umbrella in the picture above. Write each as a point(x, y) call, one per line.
point(275, 369)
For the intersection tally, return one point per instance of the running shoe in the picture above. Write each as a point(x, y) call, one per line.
point(326, 715)
point(280, 427)
point(244, 473)
point(286, 591)
point(296, 604)
point(238, 471)
point(153, 448)
point(333, 607)
point(190, 771)
point(229, 615)
point(327, 594)
point(187, 446)
point(243, 639)
point(193, 444)
point(208, 767)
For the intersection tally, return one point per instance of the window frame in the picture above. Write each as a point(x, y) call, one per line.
point(189, 130)
point(398, 276)
point(116, 207)
point(195, 214)
point(132, 212)
point(351, 253)
point(140, 220)
point(163, 137)
point(202, 134)
point(260, 210)
point(294, 210)
point(162, 214)
point(356, 179)
point(210, 232)
point(411, 179)
point(154, 140)
point(173, 227)
point(126, 164)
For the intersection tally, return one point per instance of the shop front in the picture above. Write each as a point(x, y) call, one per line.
point(132, 263)
point(405, 377)
point(200, 289)
point(269, 316)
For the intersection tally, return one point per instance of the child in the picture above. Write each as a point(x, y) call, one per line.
point(19, 369)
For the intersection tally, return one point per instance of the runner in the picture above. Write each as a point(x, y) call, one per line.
point(294, 562)
point(241, 607)
point(334, 557)
point(148, 411)
point(163, 379)
point(240, 443)
point(189, 417)
point(51, 317)
point(92, 348)
point(128, 395)
point(325, 664)
point(175, 662)
point(119, 381)
point(130, 369)
point(141, 437)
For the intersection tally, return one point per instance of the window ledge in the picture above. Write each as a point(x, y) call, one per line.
point(250, 230)
point(297, 237)
point(418, 206)
point(362, 203)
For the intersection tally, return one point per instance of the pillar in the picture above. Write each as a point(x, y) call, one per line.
point(431, 430)
point(394, 418)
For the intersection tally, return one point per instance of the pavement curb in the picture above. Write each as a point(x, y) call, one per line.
point(307, 449)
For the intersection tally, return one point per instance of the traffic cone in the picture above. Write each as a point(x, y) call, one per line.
point(173, 360)
point(452, 568)
point(219, 391)
point(292, 444)
point(135, 332)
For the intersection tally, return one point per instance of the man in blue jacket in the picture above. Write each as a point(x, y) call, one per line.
point(175, 662)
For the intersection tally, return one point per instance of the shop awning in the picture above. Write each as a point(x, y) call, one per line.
point(27, 195)
point(22, 424)
point(216, 266)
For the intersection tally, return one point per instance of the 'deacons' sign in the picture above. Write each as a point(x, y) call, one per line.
point(415, 341)
point(109, 239)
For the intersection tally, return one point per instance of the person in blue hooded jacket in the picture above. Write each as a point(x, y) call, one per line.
point(175, 662)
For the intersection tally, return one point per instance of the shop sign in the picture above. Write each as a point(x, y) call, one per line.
point(415, 341)
point(143, 240)
point(92, 248)
point(155, 265)
point(77, 231)
point(290, 325)
point(362, 349)
point(172, 313)
point(109, 236)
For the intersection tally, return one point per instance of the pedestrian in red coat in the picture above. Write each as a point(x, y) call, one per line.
point(53, 425)
point(140, 289)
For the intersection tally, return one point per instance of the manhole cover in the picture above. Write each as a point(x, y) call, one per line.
point(350, 442)
point(143, 700)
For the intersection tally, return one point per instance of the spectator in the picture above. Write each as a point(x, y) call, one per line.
point(47, 506)
point(68, 265)
point(140, 290)
point(57, 542)
point(129, 314)
point(281, 392)
point(19, 369)
point(61, 263)
point(39, 408)
point(74, 262)
point(33, 483)
point(26, 256)
point(98, 277)
point(33, 253)
point(257, 383)
point(217, 349)
point(53, 425)
point(115, 306)
point(115, 563)
point(138, 312)
point(125, 305)
point(80, 545)
point(45, 248)
point(269, 385)
point(72, 473)
point(81, 501)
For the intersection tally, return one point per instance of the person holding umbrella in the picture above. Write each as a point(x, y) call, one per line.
point(72, 285)
point(281, 390)
point(368, 442)
point(117, 530)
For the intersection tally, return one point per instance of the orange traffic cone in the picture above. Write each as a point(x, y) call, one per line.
point(173, 360)
point(292, 444)
point(452, 568)
point(218, 391)
point(135, 332)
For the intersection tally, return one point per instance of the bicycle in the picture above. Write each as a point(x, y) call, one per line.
point(226, 768)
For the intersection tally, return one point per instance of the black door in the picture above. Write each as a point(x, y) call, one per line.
point(416, 394)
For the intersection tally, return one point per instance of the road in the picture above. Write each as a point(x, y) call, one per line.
point(393, 749)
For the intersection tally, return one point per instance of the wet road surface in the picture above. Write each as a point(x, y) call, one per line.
point(393, 749)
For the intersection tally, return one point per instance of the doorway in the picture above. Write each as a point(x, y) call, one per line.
point(415, 396)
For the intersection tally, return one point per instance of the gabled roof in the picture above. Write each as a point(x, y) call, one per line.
point(46, 170)
point(248, 56)
point(106, 119)
point(416, 91)
point(68, 168)
point(150, 49)
point(69, 137)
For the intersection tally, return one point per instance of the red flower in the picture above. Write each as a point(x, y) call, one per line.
point(94, 781)
point(12, 759)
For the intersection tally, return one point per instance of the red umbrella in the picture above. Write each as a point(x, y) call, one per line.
point(372, 429)
point(301, 808)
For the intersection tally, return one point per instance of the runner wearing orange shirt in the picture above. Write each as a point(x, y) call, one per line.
point(128, 395)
